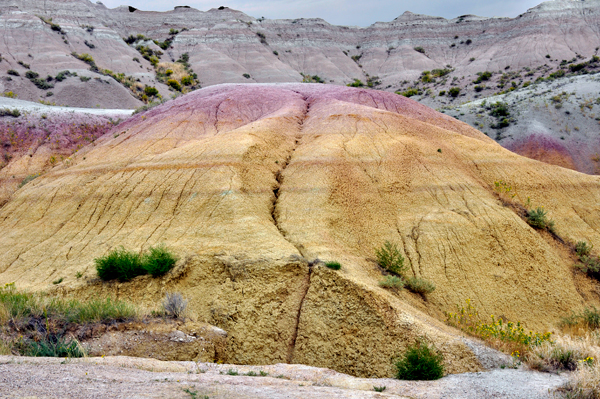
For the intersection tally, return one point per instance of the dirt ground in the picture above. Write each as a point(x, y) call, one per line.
point(127, 377)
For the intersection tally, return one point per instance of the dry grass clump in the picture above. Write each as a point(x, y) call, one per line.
point(565, 353)
point(584, 383)
point(177, 70)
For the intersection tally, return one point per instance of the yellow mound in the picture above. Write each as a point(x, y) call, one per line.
point(249, 185)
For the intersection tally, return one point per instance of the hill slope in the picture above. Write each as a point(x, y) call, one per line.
point(251, 184)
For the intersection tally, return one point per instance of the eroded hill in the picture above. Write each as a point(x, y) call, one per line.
point(252, 185)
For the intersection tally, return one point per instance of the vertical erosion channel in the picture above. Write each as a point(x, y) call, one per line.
point(279, 176)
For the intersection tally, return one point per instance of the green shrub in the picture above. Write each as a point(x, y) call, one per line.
point(174, 84)
point(419, 285)
point(392, 282)
point(583, 249)
point(333, 265)
point(420, 362)
point(419, 49)
point(246, 75)
point(483, 76)
point(537, 218)
point(390, 258)
point(150, 91)
point(499, 109)
point(119, 264)
point(411, 92)
point(31, 75)
point(13, 72)
point(125, 265)
point(10, 112)
point(158, 261)
point(356, 83)
point(187, 80)
point(454, 91)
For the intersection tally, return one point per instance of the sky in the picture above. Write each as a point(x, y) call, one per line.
point(344, 12)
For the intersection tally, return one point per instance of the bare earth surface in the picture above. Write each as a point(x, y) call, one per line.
point(126, 377)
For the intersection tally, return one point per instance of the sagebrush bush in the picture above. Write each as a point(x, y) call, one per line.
point(420, 362)
point(392, 282)
point(390, 258)
point(174, 305)
point(419, 285)
point(158, 261)
point(119, 264)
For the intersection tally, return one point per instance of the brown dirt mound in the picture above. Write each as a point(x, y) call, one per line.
point(249, 185)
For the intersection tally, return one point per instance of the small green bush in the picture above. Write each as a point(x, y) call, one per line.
point(31, 75)
point(150, 91)
point(419, 49)
point(13, 72)
point(583, 249)
point(392, 282)
point(454, 92)
point(158, 261)
point(187, 80)
point(246, 75)
point(174, 84)
point(537, 218)
point(413, 91)
point(333, 265)
point(119, 264)
point(356, 83)
point(390, 258)
point(419, 285)
point(420, 362)
point(125, 265)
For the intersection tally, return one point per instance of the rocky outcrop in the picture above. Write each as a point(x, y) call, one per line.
point(254, 186)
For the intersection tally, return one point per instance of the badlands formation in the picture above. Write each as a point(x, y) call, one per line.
point(255, 186)
point(228, 46)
